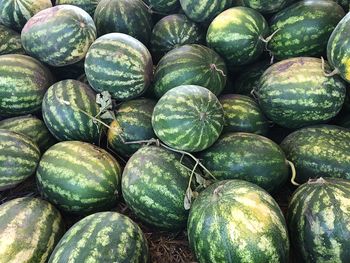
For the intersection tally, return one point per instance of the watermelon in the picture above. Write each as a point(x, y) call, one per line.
point(15, 14)
point(68, 31)
point(119, 64)
point(133, 122)
point(318, 219)
point(87, 5)
point(190, 65)
point(79, 177)
point(62, 112)
point(266, 6)
point(237, 221)
point(319, 151)
point(173, 31)
point(188, 118)
point(163, 6)
point(102, 237)
point(242, 114)
point(154, 184)
point(237, 35)
point(23, 83)
point(32, 127)
point(295, 93)
point(304, 28)
point(10, 41)
point(130, 17)
point(30, 229)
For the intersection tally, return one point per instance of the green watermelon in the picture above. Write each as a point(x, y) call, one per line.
point(163, 6)
point(30, 229)
point(133, 122)
point(237, 35)
point(318, 219)
point(79, 177)
point(23, 83)
point(304, 28)
point(173, 31)
point(266, 6)
point(154, 184)
point(87, 5)
point(130, 17)
point(319, 151)
point(19, 157)
point(68, 31)
point(102, 237)
point(242, 114)
point(10, 41)
point(119, 64)
point(32, 127)
point(188, 118)
point(236, 221)
point(14, 14)
point(62, 106)
point(295, 93)
point(190, 65)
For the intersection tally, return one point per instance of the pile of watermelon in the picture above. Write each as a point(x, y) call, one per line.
point(195, 114)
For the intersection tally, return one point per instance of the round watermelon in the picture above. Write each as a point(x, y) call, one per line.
point(87, 5)
point(163, 6)
point(10, 41)
point(266, 6)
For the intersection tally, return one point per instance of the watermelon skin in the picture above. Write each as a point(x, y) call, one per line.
point(88, 6)
point(106, 237)
point(154, 184)
point(133, 123)
point(19, 158)
point(266, 6)
point(188, 118)
point(318, 219)
point(190, 65)
point(23, 83)
point(32, 127)
point(124, 16)
point(163, 6)
point(79, 177)
point(248, 157)
point(236, 35)
point(236, 221)
point(304, 28)
point(242, 114)
point(30, 229)
point(295, 93)
point(10, 41)
point(66, 122)
point(108, 66)
point(69, 32)
point(319, 151)
point(173, 31)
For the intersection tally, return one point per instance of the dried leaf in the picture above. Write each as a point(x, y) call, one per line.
point(188, 198)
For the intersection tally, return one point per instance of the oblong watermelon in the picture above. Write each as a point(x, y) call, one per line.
point(87, 5)
point(102, 237)
point(236, 221)
point(266, 6)
point(79, 177)
point(10, 41)
point(68, 31)
point(163, 6)
point(30, 229)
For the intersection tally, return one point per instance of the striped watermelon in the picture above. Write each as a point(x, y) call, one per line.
point(23, 83)
point(19, 157)
point(319, 151)
point(79, 177)
point(303, 28)
point(119, 64)
point(32, 127)
point(62, 114)
point(133, 123)
point(130, 17)
point(163, 6)
point(10, 41)
point(236, 221)
point(173, 31)
point(266, 6)
point(87, 5)
point(318, 219)
point(248, 157)
point(188, 118)
point(154, 184)
point(237, 35)
point(68, 31)
point(242, 114)
point(295, 93)
point(14, 14)
point(30, 229)
point(190, 65)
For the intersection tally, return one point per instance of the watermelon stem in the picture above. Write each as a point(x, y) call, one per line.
point(266, 41)
point(329, 74)
point(189, 193)
point(151, 11)
point(294, 173)
point(213, 66)
point(254, 94)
